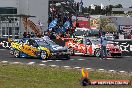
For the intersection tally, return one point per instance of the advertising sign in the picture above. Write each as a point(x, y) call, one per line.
point(125, 28)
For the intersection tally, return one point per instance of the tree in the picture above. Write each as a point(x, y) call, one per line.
point(86, 9)
point(107, 10)
point(130, 12)
point(118, 6)
point(107, 25)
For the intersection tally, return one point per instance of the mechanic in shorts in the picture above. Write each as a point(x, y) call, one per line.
point(103, 41)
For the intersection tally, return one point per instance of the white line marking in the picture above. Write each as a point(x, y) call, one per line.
point(58, 60)
point(88, 68)
point(53, 65)
point(30, 63)
point(49, 60)
point(110, 58)
point(81, 59)
point(66, 66)
point(42, 64)
point(77, 67)
point(4, 61)
point(111, 70)
point(16, 62)
point(71, 59)
point(101, 69)
point(121, 71)
point(44, 61)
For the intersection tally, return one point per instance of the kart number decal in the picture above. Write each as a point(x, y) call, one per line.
point(89, 49)
point(28, 50)
point(76, 46)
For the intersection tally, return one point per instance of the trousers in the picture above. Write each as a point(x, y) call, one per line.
point(103, 51)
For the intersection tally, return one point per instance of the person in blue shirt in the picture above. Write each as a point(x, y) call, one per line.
point(103, 41)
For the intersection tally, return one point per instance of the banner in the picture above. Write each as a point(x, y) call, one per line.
point(4, 44)
point(125, 28)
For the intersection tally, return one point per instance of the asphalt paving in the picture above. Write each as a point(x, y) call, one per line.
point(123, 64)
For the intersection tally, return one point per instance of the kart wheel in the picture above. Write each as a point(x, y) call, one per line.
point(11, 51)
point(108, 53)
point(68, 57)
point(43, 55)
point(97, 53)
point(71, 50)
point(17, 53)
point(120, 55)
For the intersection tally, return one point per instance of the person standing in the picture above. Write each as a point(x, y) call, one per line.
point(103, 41)
point(24, 34)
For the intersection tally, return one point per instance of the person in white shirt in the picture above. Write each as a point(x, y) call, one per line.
point(103, 41)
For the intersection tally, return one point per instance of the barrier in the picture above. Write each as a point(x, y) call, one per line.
point(125, 45)
point(4, 44)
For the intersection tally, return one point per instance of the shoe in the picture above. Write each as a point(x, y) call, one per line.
point(105, 59)
point(101, 58)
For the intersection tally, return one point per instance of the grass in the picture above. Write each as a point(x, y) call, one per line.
point(21, 76)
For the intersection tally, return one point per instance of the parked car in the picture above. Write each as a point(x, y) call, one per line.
point(40, 48)
point(92, 46)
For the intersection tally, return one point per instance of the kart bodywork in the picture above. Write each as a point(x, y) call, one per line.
point(92, 47)
point(39, 48)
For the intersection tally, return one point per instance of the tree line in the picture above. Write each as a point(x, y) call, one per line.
point(106, 11)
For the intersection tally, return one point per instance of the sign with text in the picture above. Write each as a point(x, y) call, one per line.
point(125, 28)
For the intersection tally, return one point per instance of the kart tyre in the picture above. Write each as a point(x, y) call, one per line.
point(68, 57)
point(16, 53)
point(43, 55)
point(11, 51)
point(120, 56)
point(108, 53)
point(97, 53)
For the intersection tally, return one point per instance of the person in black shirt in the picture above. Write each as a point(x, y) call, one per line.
point(24, 35)
point(28, 35)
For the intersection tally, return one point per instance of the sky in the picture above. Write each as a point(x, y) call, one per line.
point(125, 3)
point(8, 3)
